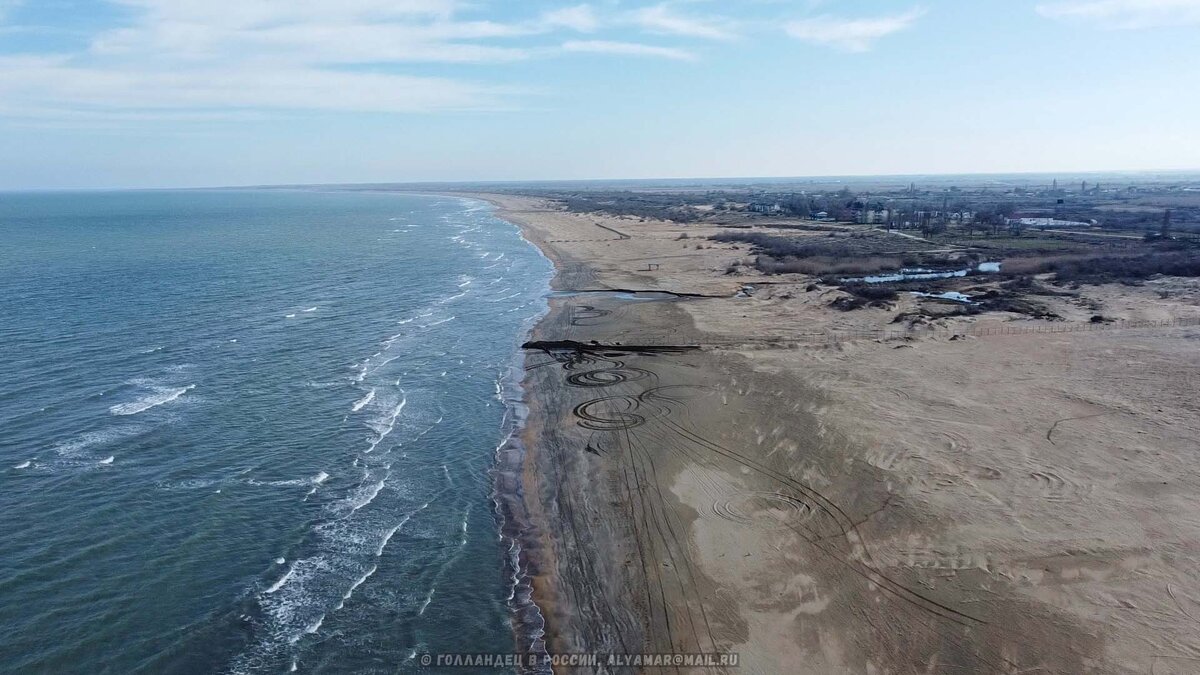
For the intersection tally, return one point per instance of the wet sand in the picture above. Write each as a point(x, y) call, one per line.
point(1006, 504)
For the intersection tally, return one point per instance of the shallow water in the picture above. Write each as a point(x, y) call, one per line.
point(252, 431)
point(920, 274)
point(948, 295)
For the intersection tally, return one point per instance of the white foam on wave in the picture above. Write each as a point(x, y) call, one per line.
point(392, 532)
point(428, 599)
point(310, 309)
point(282, 580)
point(77, 446)
point(23, 465)
point(388, 536)
point(357, 582)
point(384, 426)
point(162, 395)
point(514, 562)
point(463, 526)
point(381, 364)
point(452, 298)
point(438, 323)
point(319, 478)
point(312, 628)
point(358, 405)
point(189, 484)
point(294, 606)
point(289, 316)
point(363, 496)
point(107, 460)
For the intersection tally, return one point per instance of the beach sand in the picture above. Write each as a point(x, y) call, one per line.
point(1002, 504)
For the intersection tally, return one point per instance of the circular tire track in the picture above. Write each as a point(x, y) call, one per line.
point(766, 509)
point(606, 377)
point(579, 360)
point(611, 419)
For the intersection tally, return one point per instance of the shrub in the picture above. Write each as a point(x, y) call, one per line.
point(1110, 268)
point(864, 295)
point(872, 293)
point(821, 266)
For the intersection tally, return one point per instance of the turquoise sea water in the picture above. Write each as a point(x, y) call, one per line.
point(253, 431)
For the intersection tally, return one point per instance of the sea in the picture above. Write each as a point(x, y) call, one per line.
point(257, 431)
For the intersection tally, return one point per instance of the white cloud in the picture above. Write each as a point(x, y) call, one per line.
point(258, 13)
point(854, 35)
point(581, 18)
point(312, 31)
point(175, 56)
point(1125, 14)
point(627, 49)
point(662, 19)
point(53, 86)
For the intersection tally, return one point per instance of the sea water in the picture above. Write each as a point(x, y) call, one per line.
point(253, 431)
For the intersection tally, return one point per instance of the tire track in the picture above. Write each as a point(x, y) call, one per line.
point(654, 513)
point(623, 414)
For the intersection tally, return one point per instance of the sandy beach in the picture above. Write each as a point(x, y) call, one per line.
point(962, 501)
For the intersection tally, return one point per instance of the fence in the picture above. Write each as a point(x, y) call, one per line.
point(979, 331)
point(836, 336)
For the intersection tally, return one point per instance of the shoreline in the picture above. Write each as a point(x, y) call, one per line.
point(516, 478)
point(920, 504)
point(509, 489)
point(583, 605)
point(547, 586)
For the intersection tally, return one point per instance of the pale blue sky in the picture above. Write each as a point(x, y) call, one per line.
point(149, 93)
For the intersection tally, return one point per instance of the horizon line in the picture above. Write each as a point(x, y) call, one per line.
point(703, 180)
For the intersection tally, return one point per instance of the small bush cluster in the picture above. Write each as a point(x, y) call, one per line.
point(786, 247)
point(1113, 268)
point(865, 295)
point(821, 266)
